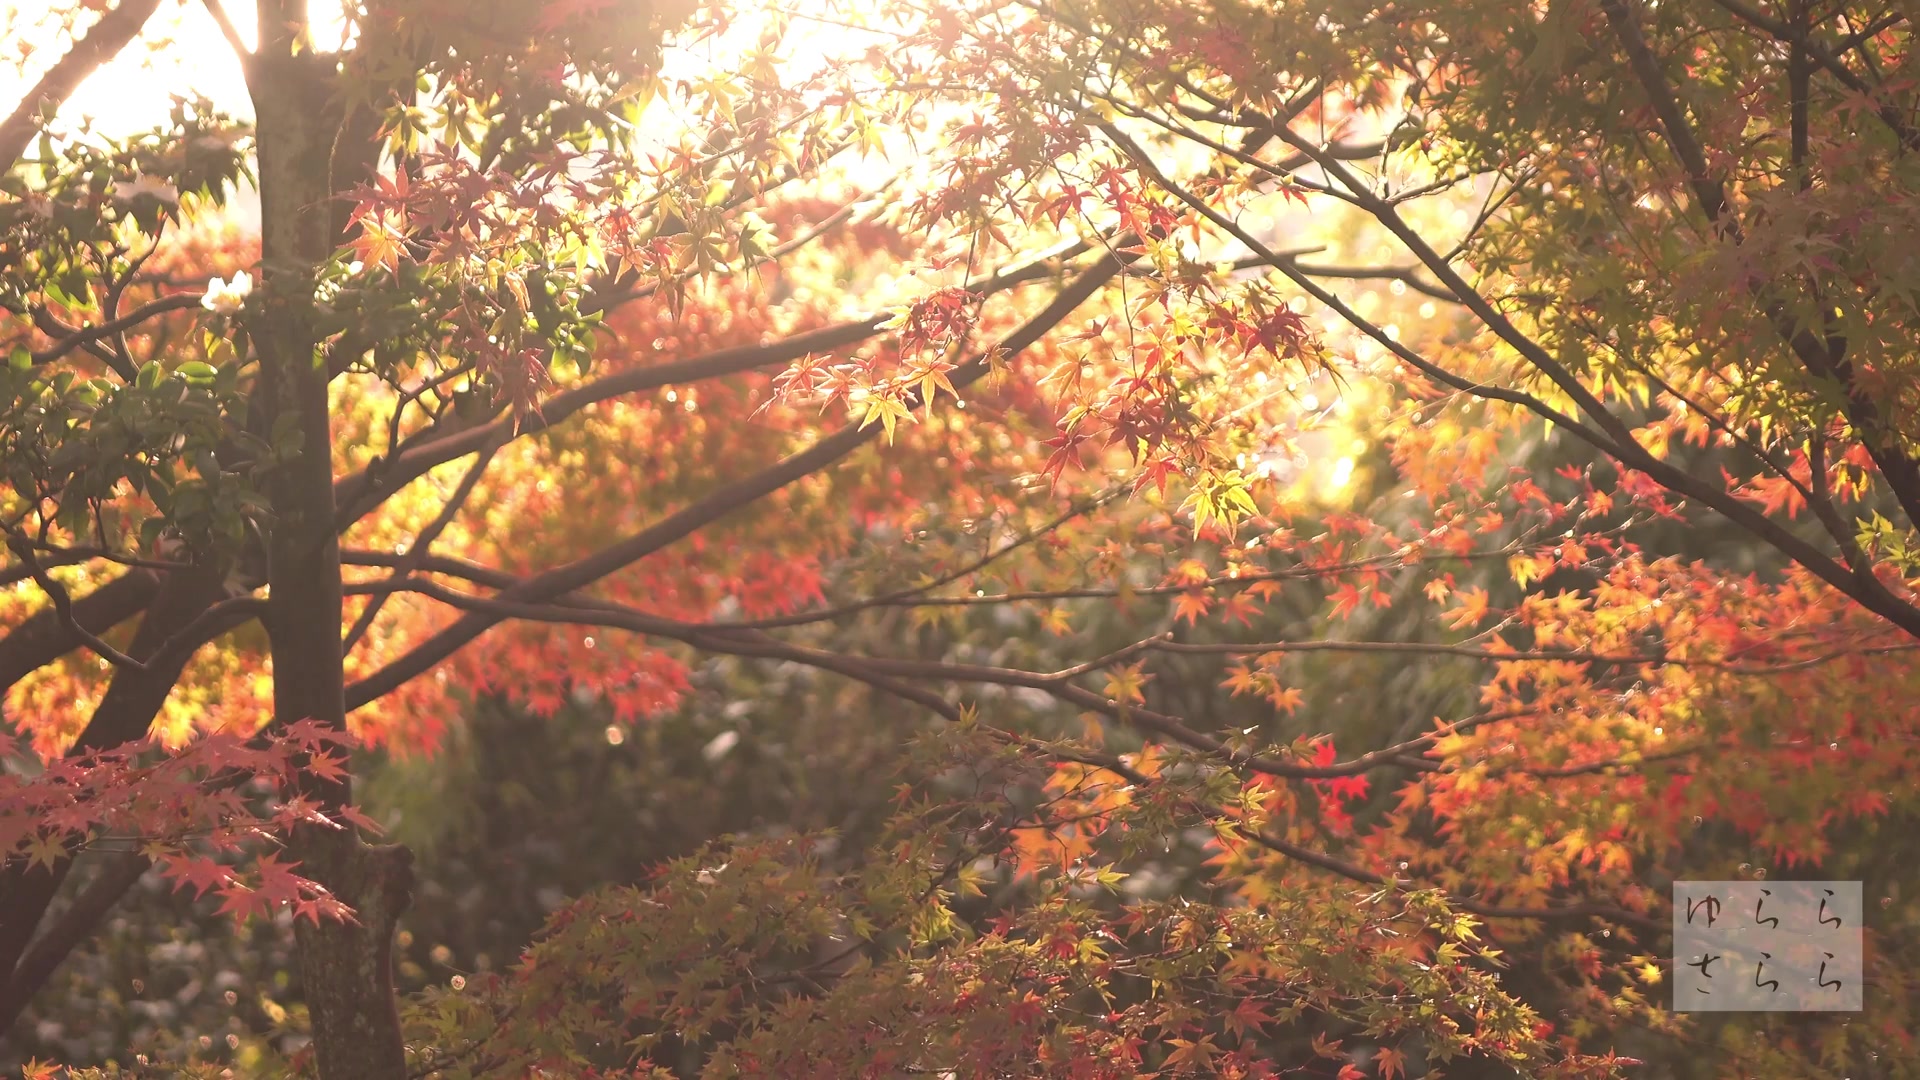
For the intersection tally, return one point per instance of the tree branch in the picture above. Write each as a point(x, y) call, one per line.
point(717, 504)
point(720, 639)
point(1707, 189)
point(1621, 444)
point(1292, 271)
point(230, 32)
point(73, 926)
point(63, 606)
point(359, 494)
point(44, 322)
point(103, 40)
point(888, 675)
point(1829, 61)
point(913, 598)
point(52, 555)
point(1823, 356)
point(1405, 275)
point(422, 544)
point(44, 637)
point(90, 334)
point(1467, 652)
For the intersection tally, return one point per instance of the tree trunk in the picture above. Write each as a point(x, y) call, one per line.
point(346, 972)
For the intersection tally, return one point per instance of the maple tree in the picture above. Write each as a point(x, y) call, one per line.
point(1024, 364)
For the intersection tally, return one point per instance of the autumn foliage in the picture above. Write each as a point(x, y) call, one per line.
point(1348, 503)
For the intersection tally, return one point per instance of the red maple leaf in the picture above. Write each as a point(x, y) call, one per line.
point(194, 870)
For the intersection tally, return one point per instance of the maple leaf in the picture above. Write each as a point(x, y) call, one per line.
point(1158, 471)
point(1127, 683)
point(380, 241)
point(1057, 621)
point(1197, 1054)
point(352, 815)
point(201, 873)
point(324, 907)
point(241, 902)
point(1345, 599)
point(1241, 679)
point(889, 411)
point(326, 766)
point(1248, 1018)
point(277, 884)
point(1190, 606)
point(1287, 698)
point(1240, 608)
point(1471, 610)
point(45, 849)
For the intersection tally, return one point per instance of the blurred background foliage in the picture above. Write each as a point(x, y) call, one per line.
point(516, 813)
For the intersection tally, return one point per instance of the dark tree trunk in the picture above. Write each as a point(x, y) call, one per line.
point(345, 968)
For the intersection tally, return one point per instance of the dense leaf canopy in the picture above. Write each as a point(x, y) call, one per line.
point(1342, 505)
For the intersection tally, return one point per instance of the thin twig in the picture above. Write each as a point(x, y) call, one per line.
point(422, 543)
point(63, 605)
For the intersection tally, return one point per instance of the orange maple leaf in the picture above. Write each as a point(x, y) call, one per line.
point(1190, 606)
point(1472, 609)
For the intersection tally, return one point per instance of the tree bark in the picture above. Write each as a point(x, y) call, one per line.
point(346, 972)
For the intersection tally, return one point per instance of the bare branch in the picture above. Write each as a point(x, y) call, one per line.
point(53, 555)
point(45, 322)
point(1608, 765)
point(1355, 872)
point(722, 639)
point(886, 674)
point(914, 598)
point(917, 596)
point(821, 228)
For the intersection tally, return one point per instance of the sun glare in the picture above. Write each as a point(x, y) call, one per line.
point(181, 52)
